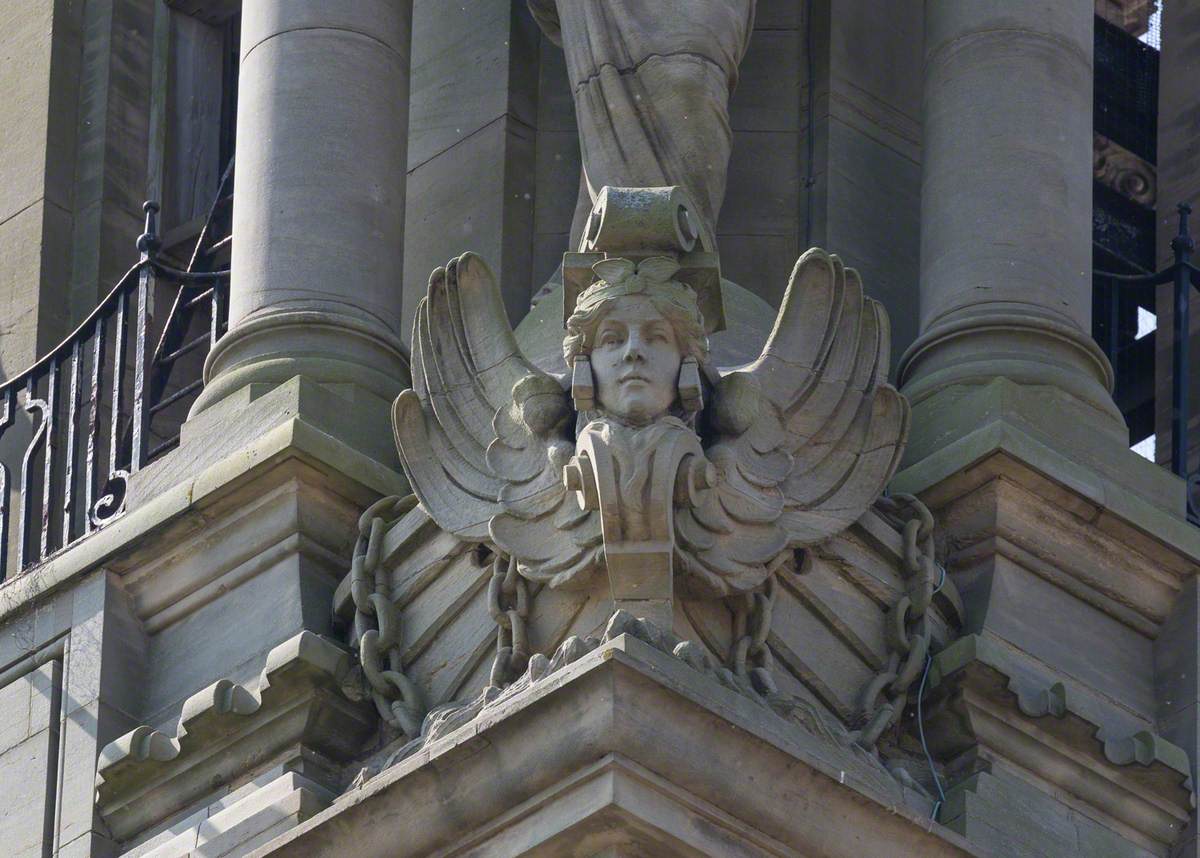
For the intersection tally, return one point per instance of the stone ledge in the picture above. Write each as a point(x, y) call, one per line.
point(1141, 782)
point(237, 828)
point(617, 804)
point(186, 505)
point(224, 730)
point(772, 781)
point(1166, 546)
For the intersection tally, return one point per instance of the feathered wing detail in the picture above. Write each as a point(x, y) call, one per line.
point(482, 432)
point(807, 436)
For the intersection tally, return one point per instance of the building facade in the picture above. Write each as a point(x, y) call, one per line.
point(228, 626)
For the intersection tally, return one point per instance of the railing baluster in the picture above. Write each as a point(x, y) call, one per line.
point(1181, 335)
point(217, 309)
point(120, 353)
point(91, 475)
point(49, 455)
point(25, 520)
point(69, 491)
point(68, 500)
point(6, 420)
point(110, 505)
point(148, 244)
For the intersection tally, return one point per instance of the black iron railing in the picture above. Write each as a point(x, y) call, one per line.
point(78, 423)
point(1184, 275)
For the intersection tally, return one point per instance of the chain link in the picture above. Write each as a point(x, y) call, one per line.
point(377, 624)
point(908, 631)
point(750, 658)
point(508, 603)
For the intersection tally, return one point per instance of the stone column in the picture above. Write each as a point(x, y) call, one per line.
point(1006, 204)
point(318, 217)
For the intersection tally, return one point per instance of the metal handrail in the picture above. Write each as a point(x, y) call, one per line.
point(1184, 275)
point(69, 490)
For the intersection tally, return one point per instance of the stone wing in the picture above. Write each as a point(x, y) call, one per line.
point(807, 436)
point(482, 432)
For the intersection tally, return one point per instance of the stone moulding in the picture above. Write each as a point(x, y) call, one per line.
point(226, 729)
point(1141, 782)
point(480, 788)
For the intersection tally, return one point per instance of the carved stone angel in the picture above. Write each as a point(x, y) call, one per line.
point(644, 462)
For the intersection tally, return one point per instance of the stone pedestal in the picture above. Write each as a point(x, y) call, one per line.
point(627, 751)
point(1071, 552)
point(319, 211)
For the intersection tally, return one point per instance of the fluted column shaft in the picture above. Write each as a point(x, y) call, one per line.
point(1006, 201)
point(319, 204)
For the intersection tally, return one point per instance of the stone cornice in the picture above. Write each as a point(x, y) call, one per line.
point(629, 701)
point(184, 508)
point(146, 775)
point(1139, 781)
point(1158, 550)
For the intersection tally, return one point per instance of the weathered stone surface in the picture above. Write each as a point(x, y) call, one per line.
point(1006, 123)
point(1138, 782)
point(146, 775)
point(487, 180)
point(474, 105)
point(29, 745)
point(483, 437)
point(560, 765)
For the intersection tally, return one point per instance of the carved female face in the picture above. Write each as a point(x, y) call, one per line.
point(635, 361)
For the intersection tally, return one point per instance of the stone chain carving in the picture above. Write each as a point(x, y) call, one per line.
point(508, 602)
point(908, 631)
point(749, 657)
point(377, 623)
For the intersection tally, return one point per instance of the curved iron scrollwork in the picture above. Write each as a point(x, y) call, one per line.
point(76, 425)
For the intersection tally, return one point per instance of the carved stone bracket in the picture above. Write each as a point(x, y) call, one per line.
point(224, 730)
point(1116, 167)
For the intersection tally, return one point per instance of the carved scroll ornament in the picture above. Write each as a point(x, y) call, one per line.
point(645, 462)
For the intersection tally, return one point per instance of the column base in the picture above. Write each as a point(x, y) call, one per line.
point(321, 346)
point(1028, 349)
point(1072, 442)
